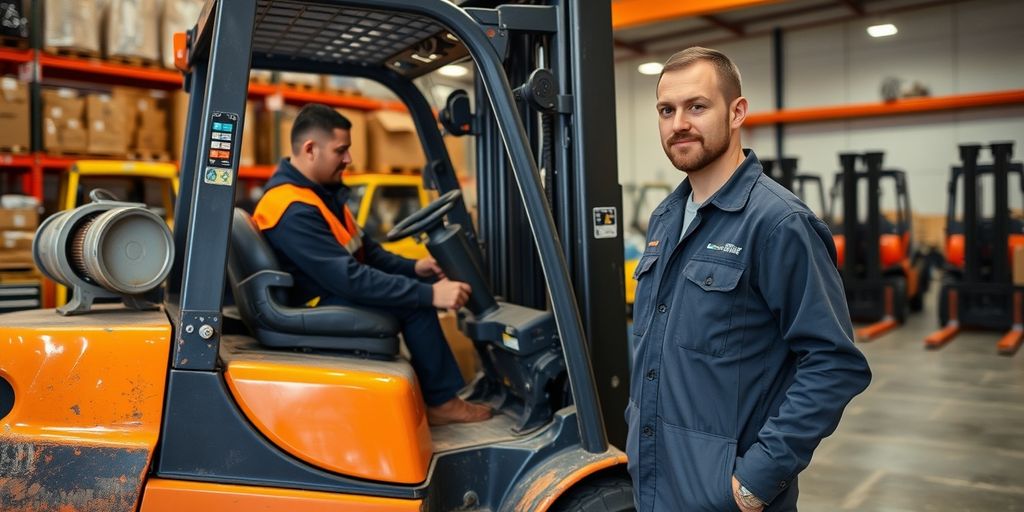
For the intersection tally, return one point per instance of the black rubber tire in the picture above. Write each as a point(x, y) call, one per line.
point(603, 494)
point(943, 306)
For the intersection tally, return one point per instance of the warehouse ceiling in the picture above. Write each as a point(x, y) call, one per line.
point(718, 26)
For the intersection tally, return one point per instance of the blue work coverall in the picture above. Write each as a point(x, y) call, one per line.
point(385, 282)
point(743, 350)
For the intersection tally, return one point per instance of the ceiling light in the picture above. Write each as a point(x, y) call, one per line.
point(453, 71)
point(882, 30)
point(650, 68)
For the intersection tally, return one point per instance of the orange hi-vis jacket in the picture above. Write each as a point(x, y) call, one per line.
point(277, 200)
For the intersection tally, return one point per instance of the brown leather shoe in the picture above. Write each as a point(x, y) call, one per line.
point(457, 410)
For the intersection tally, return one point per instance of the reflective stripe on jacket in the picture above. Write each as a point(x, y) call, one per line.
point(277, 200)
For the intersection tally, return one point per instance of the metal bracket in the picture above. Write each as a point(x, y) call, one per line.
point(198, 338)
point(497, 23)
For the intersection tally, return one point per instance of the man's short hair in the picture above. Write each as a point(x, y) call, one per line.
point(728, 73)
point(316, 117)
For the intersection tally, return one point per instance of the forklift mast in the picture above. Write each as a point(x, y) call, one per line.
point(572, 136)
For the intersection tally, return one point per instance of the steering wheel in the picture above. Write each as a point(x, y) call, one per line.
point(426, 218)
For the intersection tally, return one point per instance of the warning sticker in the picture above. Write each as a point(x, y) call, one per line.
point(218, 176)
point(606, 222)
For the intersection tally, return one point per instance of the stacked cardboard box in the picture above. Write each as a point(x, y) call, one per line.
point(14, 116)
point(305, 80)
point(930, 230)
point(107, 124)
point(359, 134)
point(73, 24)
point(275, 125)
point(63, 127)
point(146, 121)
point(178, 16)
point(393, 142)
point(17, 226)
point(132, 29)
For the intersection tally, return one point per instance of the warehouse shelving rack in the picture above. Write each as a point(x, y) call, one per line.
point(41, 66)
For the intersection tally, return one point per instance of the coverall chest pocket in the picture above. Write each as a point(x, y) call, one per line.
point(711, 297)
point(643, 299)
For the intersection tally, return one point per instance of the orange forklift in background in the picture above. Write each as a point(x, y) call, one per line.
point(884, 275)
point(981, 289)
point(275, 407)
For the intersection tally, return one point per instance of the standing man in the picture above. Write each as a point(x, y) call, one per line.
point(304, 216)
point(744, 359)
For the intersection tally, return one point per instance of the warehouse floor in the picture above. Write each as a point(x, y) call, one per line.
point(936, 430)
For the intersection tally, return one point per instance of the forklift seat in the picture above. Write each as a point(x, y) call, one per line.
point(260, 289)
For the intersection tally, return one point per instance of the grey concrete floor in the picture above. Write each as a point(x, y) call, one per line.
point(938, 430)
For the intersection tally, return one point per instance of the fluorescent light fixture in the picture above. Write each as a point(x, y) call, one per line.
point(453, 71)
point(885, 30)
point(650, 68)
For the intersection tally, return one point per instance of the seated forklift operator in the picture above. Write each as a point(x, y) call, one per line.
point(304, 217)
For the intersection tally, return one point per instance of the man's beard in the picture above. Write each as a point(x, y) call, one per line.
point(697, 158)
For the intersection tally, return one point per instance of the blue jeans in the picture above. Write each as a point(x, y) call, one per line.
point(432, 358)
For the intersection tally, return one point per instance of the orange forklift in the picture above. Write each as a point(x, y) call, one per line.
point(979, 289)
point(884, 275)
point(276, 407)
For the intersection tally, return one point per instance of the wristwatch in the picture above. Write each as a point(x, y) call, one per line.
point(747, 498)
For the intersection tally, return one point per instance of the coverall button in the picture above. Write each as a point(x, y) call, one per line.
point(653, 374)
point(782, 484)
point(709, 281)
point(648, 430)
point(662, 308)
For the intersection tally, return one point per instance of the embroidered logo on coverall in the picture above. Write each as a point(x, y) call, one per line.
point(729, 248)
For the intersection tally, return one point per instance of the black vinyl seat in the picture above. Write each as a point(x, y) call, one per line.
point(260, 289)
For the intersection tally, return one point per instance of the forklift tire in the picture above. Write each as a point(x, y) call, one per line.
point(605, 494)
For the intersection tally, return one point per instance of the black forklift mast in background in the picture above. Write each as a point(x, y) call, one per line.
point(800, 184)
point(884, 276)
point(982, 293)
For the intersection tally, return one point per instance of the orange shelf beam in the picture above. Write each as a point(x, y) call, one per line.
point(634, 13)
point(109, 69)
point(258, 172)
point(898, 107)
point(9, 160)
point(17, 56)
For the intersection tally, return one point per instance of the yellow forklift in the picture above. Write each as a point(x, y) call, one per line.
point(296, 408)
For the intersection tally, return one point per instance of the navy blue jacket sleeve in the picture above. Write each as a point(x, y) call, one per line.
point(303, 236)
point(799, 281)
point(382, 259)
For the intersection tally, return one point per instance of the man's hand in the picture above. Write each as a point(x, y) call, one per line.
point(744, 507)
point(450, 294)
point(428, 267)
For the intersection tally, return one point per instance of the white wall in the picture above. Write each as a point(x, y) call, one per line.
point(966, 47)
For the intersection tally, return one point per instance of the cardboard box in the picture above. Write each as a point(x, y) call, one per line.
point(72, 24)
point(359, 138)
point(178, 16)
point(393, 142)
point(106, 123)
point(16, 240)
point(282, 121)
point(14, 115)
point(458, 152)
point(309, 80)
point(63, 124)
point(930, 230)
point(133, 28)
point(462, 347)
point(19, 219)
